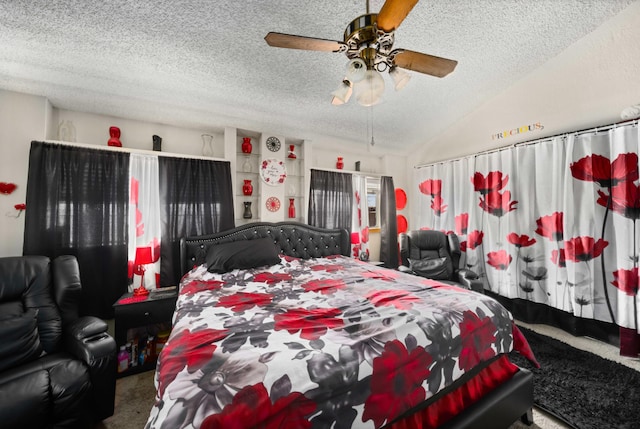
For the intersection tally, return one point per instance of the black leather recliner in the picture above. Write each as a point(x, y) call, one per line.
point(57, 369)
point(436, 255)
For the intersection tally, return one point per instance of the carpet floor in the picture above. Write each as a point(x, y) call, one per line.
point(584, 390)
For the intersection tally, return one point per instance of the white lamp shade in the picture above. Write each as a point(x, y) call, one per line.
point(370, 89)
point(342, 94)
point(400, 77)
point(356, 69)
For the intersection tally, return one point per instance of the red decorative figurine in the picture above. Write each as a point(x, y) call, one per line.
point(247, 188)
point(246, 145)
point(292, 154)
point(340, 163)
point(114, 132)
point(292, 207)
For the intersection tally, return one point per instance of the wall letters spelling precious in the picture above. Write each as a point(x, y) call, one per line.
point(521, 130)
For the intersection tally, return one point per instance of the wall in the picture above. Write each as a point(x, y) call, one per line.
point(22, 119)
point(587, 85)
point(94, 129)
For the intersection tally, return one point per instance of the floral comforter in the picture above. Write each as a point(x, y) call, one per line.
point(322, 343)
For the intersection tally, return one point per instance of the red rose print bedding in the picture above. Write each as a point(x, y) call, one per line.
point(322, 343)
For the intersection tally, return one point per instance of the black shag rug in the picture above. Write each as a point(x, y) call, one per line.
point(584, 390)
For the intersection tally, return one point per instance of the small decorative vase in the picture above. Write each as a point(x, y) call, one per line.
point(114, 133)
point(292, 207)
point(246, 165)
point(246, 145)
point(340, 163)
point(247, 188)
point(207, 145)
point(157, 143)
point(292, 154)
point(247, 210)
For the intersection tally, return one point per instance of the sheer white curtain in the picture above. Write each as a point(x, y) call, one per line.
point(144, 222)
point(553, 222)
point(360, 218)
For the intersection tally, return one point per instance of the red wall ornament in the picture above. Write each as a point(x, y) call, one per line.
point(7, 188)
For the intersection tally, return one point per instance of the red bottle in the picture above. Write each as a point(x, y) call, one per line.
point(247, 188)
point(246, 145)
point(292, 207)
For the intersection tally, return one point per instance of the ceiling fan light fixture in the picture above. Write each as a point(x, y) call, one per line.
point(370, 89)
point(356, 69)
point(400, 77)
point(343, 93)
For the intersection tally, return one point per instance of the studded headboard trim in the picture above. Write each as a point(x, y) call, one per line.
point(292, 239)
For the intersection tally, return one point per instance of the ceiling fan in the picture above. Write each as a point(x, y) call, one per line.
point(368, 43)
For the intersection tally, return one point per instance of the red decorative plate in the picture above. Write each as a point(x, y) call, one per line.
point(273, 172)
point(402, 224)
point(273, 204)
point(401, 199)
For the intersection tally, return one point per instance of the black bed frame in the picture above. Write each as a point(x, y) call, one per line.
point(504, 405)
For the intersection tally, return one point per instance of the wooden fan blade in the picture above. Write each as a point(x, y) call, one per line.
point(424, 63)
point(290, 41)
point(392, 13)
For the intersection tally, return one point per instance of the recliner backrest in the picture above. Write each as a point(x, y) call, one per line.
point(426, 245)
point(26, 283)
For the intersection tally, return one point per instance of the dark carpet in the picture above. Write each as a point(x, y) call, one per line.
point(584, 390)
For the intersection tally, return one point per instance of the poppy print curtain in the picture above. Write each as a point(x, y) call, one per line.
point(360, 218)
point(554, 222)
point(144, 222)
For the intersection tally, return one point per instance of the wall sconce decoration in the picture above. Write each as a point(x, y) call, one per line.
point(7, 188)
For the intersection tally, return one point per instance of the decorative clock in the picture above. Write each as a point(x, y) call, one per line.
point(273, 144)
point(273, 204)
point(273, 172)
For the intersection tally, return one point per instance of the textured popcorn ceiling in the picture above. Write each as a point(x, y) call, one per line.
point(205, 64)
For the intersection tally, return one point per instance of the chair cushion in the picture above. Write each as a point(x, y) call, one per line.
point(436, 268)
point(19, 339)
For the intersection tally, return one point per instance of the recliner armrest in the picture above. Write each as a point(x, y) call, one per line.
point(470, 280)
point(405, 269)
point(87, 339)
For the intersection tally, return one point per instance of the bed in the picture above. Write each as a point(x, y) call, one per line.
point(276, 327)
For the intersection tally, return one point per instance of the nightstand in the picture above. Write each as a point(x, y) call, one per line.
point(142, 325)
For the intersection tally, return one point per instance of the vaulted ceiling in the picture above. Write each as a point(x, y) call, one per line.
point(206, 65)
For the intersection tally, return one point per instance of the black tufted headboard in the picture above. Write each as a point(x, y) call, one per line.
point(292, 239)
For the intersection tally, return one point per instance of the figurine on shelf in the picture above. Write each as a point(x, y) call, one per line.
point(292, 207)
point(246, 145)
point(247, 188)
point(247, 210)
point(340, 163)
point(292, 154)
point(157, 143)
point(114, 133)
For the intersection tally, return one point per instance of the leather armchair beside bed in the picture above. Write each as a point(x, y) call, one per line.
point(436, 255)
point(57, 369)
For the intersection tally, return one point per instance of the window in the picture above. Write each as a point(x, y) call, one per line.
point(373, 201)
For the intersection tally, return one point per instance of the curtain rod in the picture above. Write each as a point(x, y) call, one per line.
point(132, 150)
point(628, 122)
point(360, 173)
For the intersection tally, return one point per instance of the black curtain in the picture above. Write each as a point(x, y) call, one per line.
point(77, 204)
point(330, 199)
point(388, 223)
point(196, 198)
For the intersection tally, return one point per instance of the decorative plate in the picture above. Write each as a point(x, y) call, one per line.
point(273, 144)
point(273, 204)
point(273, 172)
